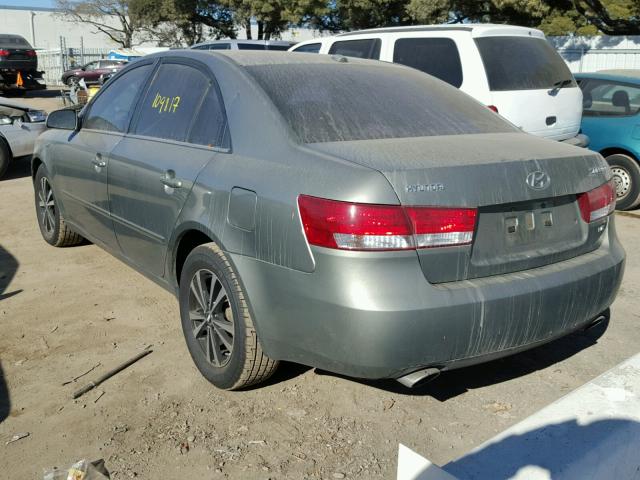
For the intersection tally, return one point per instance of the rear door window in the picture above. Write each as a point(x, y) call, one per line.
point(171, 102)
point(282, 48)
point(309, 48)
point(522, 63)
point(436, 56)
point(112, 109)
point(251, 46)
point(366, 48)
point(612, 99)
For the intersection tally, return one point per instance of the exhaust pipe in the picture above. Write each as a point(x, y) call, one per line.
point(419, 377)
point(599, 320)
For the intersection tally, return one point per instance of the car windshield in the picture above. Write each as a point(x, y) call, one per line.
point(347, 101)
point(522, 63)
point(13, 41)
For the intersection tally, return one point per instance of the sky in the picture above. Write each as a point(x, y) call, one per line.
point(28, 3)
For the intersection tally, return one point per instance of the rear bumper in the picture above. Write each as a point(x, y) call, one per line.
point(375, 316)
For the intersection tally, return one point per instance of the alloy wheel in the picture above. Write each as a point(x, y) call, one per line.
point(46, 206)
point(211, 317)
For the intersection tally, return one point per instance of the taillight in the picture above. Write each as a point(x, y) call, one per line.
point(31, 53)
point(4, 53)
point(493, 108)
point(597, 203)
point(361, 226)
point(439, 227)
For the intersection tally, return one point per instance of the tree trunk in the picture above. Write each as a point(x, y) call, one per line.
point(247, 27)
point(260, 29)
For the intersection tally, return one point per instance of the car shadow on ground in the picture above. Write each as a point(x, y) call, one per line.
point(51, 92)
point(8, 268)
point(456, 382)
point(18, 168)
point(600, 449)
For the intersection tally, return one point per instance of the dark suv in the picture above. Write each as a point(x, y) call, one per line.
point(18, 65)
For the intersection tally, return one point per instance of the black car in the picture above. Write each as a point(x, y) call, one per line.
point(18, 65)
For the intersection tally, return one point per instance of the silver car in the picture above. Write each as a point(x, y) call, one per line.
point(19, 128)
point(357, 216)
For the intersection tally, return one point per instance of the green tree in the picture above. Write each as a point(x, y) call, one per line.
point(183, 22)
point(613, 17)
point(111, 17)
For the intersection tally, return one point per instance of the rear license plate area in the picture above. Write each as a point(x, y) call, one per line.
point(526, 230)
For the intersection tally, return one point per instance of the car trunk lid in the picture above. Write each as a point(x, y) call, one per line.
point(519, 226)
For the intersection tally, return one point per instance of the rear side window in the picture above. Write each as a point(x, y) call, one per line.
point(251, 46)
point(214, 46)
point(172, 101)
point(367, 48)
point(309, 48)
point(282, 48)
point(436, 56)
point(112, 109)
point(611, 99)
point(210, 123)
point(522, 63)
point(363, 101)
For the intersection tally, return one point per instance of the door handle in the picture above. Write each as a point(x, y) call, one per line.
point(169, 179)
point(98, 161)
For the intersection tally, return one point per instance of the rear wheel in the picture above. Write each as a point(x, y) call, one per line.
point(5, 157)
point(216, 322)
point(71, 81)
point(53, 228)
point(626, 176)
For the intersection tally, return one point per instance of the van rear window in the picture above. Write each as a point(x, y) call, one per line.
point(349, 101)
point(522, 63)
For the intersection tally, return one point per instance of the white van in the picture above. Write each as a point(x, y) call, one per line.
point(512, 70)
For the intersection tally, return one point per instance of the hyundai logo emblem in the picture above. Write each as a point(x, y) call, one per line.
point(538, 180)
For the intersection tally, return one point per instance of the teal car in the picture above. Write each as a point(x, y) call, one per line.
point(611, 102)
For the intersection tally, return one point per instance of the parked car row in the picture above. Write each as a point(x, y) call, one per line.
point(358, 216)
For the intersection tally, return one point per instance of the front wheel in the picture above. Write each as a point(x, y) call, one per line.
point(626, 176)
point(53, 228)
point(216, 322)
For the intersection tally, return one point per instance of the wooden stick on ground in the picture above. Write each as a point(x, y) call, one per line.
point(110, 373)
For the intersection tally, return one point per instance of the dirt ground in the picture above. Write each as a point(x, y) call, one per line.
point(65, 311)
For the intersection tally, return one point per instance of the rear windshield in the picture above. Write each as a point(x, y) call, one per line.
point(522, 63)
point(343, 101)
point(13, 41)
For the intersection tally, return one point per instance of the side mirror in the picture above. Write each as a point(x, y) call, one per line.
point(63, 119)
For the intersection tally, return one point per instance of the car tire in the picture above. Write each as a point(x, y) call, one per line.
point(219, 330)
point(53, 228)
point(5, 157)
point(71, 81)
point(626, 175)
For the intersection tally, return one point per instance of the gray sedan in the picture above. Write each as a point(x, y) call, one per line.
point(356, 216)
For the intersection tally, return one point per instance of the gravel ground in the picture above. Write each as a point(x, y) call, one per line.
point(65, 311)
